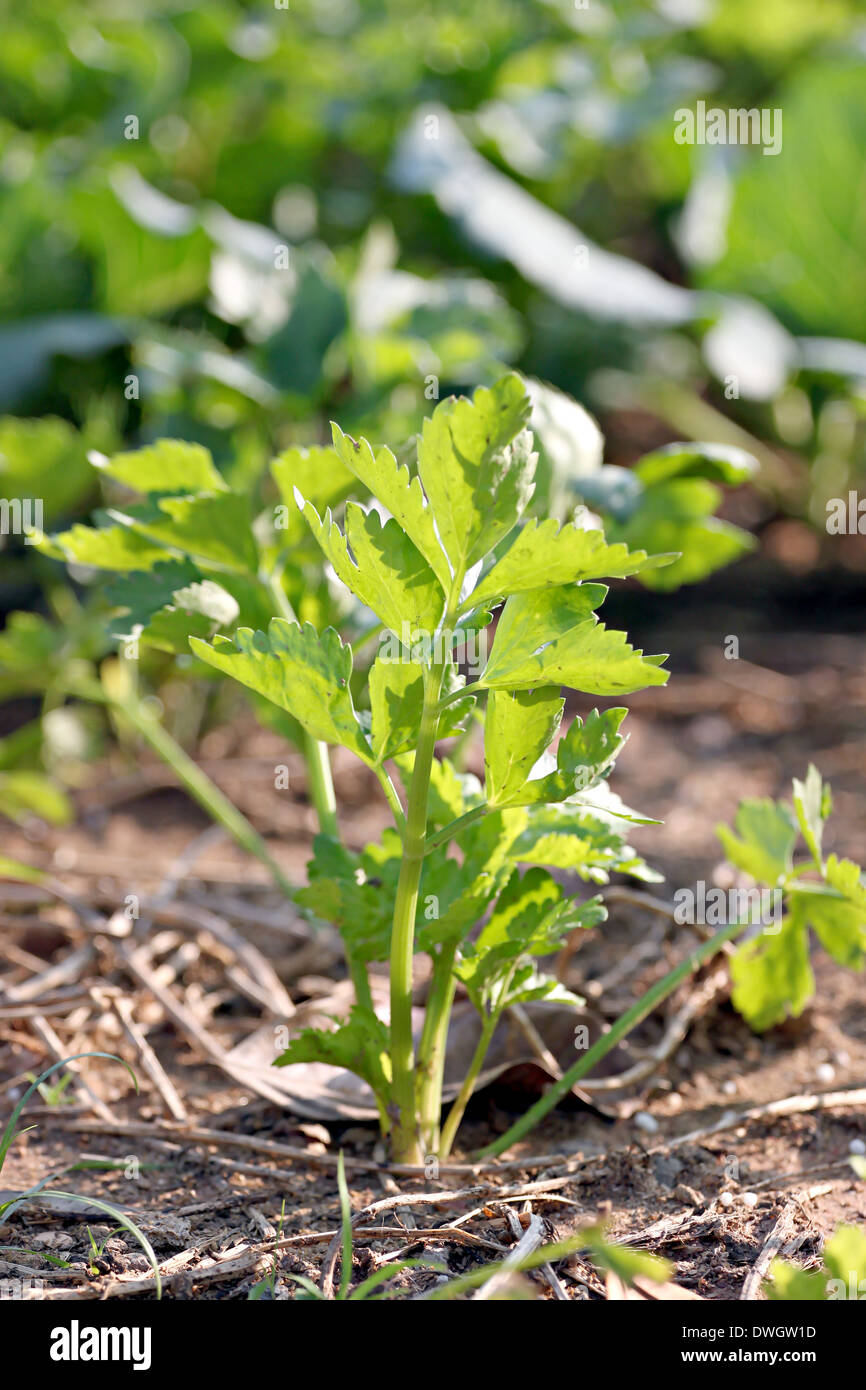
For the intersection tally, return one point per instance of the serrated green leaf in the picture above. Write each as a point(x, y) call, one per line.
point(552, 637)
point(771, 974)
point(215, 527)
point(198, 610)
point(518, 728)
point(388, 573)
point(300, 671)
point(168, 605)
point(401, 494)
point(477, 468)
point(582, 840)
point(533, 620)
point(847, 878)
point(319, 474)
point(764, 843)
point(359, 1044)
point(529, 985)
point(521, 912)
point(531, 918)
point(840, 926)
point(584, 754)
point(143, 592)
point(396, 701)
point(409, 594)
point(168, 465)
point(464, 890)
point(812, 805)
point(839, 923)
point(109, 548)
point(563, 555)
point(451, 793)
point(355, 892)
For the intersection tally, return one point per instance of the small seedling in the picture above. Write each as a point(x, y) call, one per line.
point(52, 1094)
point(771, 971)
point(11, 1133)
point(97, 1249)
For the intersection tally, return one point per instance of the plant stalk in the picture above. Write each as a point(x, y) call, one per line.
point(360, 981)
point(624, 1024)
point(455, 1114)
point(431, 1050)
point(447, 833)
point(405, 1140)
point(321, 782)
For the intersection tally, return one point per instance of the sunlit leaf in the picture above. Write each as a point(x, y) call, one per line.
point(298, 670)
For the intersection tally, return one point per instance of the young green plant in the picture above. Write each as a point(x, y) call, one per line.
point(771, 971)
point(454, 548)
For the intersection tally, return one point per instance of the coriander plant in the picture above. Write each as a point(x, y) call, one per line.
point(771, 970)
point(455, 548)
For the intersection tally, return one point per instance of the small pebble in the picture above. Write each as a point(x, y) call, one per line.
point(689, 1195)
point(857, 1146)
point(648, 1123)
point(54, 1240)
point(826, 1073)
point(730, 1088)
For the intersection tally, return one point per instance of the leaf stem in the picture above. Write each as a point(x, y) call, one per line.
point(360, 980)
point(321, 783)
point(392, 798)
point(431, 1049)
point(460, 693)
point(446, 835)
point(624, 1024)
point(315, 753)
point(405, 1141)
point(455, 1114)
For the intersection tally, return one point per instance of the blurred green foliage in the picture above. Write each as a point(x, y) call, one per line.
point(204, 231)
